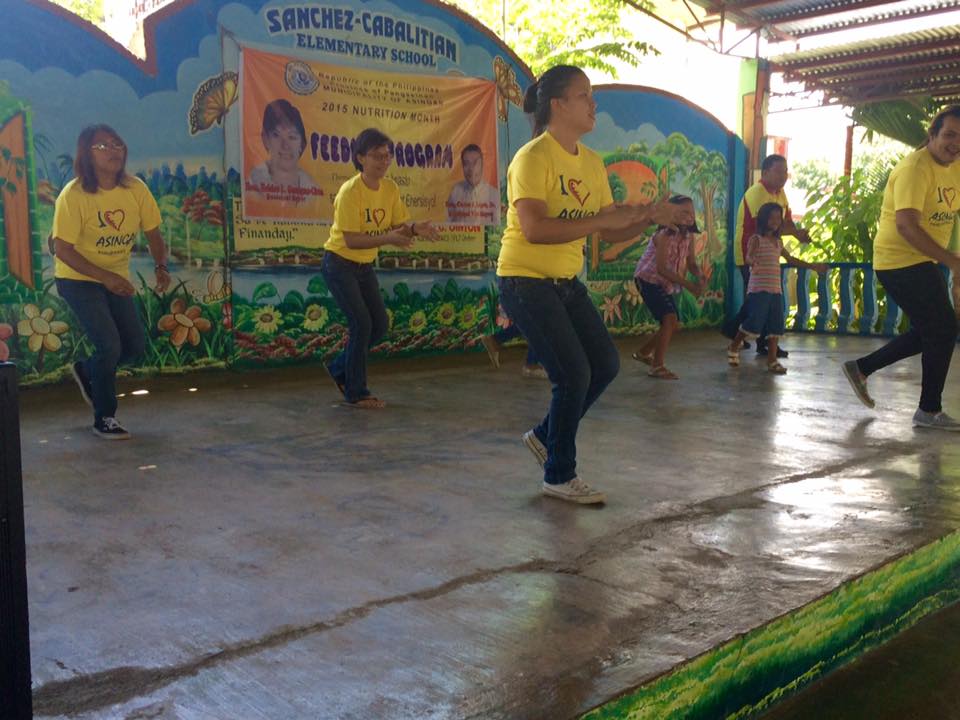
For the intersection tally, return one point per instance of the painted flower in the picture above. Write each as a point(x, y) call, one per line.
point(389, 319)
point(468, 317)
point(183, 323)
point(418, 321)
point(632, 295)
point(41, 329)
point(6, 332)
point(226, 315)
point(446, 314)
point(267, 320)
point(611, 308)
point(315, 317)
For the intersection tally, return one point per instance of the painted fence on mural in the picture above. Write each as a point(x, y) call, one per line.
point(255, 281)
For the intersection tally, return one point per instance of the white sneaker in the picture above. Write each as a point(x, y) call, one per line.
point(936, 421)
point(536, 447)
point(576, 491)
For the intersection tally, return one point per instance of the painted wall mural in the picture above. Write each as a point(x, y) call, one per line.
point(249, 291)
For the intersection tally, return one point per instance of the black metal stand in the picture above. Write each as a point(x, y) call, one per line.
point(16, 702)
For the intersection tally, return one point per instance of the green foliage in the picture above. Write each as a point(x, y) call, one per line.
point(263, 291)
point(617, 187)
point(89, 10)
point(813, 176)
point(904, 120)
point(845, 220)
point(12, 168)
point(589, 35)
point(318, 286)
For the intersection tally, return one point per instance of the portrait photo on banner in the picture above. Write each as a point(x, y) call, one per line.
point(300, 118)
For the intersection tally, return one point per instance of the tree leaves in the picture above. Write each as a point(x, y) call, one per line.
point(905, 120)
point(589, 34)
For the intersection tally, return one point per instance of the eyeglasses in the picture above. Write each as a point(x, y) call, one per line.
point(103, 147)
point(380, 156)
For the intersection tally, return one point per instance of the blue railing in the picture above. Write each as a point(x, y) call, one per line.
point(846, 300)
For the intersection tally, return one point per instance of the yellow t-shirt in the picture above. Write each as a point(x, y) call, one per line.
point(918, 182)
point(754, 198)
point(103, 226)
point(573, 186)
point(357, 208)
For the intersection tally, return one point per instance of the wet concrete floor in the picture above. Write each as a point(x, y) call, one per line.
point(257, 551)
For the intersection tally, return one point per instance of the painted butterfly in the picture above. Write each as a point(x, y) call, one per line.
point(212, 100)
point(508, 89)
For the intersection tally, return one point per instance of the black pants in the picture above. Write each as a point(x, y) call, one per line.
point(921, 291)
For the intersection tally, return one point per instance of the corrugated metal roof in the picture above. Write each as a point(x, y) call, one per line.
point(925, 62)
point(801, 18)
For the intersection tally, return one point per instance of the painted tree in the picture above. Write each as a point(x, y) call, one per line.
point(591, 34)
point(202, 211)
point(704, 173)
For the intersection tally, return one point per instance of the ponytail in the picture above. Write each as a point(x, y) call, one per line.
point(550, 86)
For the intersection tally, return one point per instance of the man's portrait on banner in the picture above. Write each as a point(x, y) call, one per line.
point(473, 200)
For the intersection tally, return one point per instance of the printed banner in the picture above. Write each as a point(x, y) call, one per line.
point(250, 235)
point(300, 118)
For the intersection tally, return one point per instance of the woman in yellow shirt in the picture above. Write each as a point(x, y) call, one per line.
point(558, 194)
point(97, 219)
point(367, 214)
point(920, 204)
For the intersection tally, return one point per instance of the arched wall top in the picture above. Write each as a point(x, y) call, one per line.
point(625, 87)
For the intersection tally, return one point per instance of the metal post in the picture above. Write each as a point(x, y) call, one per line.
point(16, 702)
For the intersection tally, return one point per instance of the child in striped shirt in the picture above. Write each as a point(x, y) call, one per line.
point(764, 303)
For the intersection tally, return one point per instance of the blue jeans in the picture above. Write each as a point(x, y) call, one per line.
point(512, 333)
point(113, 325)
point(354, 286)
point(568, 335)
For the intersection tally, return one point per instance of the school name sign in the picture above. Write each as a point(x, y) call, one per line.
point(362, 34)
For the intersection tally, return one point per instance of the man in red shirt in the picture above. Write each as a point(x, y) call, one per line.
point(769, 189)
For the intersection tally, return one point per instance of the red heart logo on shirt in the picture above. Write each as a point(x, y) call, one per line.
point(949, 195)
point(378, 215)
point(574, 187)
point(114, 218)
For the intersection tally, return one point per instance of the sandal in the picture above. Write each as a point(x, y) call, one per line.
point(661, 373)
point(776, 368)
point(365, 403)
point(733, 357)
point(645, 359)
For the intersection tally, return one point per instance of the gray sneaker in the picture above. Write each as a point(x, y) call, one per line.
point(575, 491)
point(858, 382)
point(936, 421)
point(534, 445)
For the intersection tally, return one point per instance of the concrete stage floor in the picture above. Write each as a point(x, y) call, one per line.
point(257, 552)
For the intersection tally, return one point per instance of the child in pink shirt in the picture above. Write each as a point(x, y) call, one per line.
point(660, 275)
